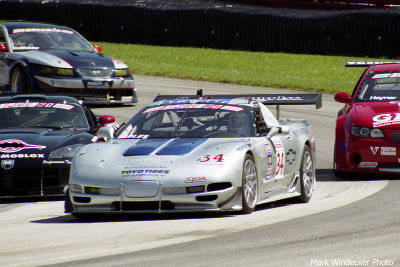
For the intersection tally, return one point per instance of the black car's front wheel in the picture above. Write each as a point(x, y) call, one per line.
point(18, 82)
point(249, 185)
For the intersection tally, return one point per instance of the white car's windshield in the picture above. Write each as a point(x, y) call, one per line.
point(40, 114)
point(190, 121)
point(47, 38)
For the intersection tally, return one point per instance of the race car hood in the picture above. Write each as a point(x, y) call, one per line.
point(182, 150)
point(70, 59)
point(179, 160)
point(35, 140)
point(378, 114)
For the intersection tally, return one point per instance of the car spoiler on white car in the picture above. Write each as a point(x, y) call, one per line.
point(266, 99)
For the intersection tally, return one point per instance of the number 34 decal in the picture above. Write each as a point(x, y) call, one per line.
point(212, 158)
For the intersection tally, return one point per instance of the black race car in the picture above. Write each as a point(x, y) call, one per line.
point(38, 57)
point(39, 135)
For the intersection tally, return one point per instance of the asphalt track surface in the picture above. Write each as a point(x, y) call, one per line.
point(348, 222)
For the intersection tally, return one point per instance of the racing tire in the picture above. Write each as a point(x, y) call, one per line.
point(18, 81)
point(67, 204)
point(249, 185)
point(307, 176)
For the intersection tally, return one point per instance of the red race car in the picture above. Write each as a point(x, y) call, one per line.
point(368, 127)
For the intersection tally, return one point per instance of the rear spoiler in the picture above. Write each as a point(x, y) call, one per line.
point(266, 99)
point(367, 63)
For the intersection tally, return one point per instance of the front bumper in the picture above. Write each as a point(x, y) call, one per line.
point(156, 202)
point(94, 91)
point(21, 182)
point(369, 155)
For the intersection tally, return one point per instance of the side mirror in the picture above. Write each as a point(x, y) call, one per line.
point(3, 48)
point(106, 119)
point(278, 130)
point(98, 48)
point(106, 133)
point(343, 97)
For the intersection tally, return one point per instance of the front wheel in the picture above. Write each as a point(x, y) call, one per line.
point(307, 176)
point(249, 185)
point(18, 82)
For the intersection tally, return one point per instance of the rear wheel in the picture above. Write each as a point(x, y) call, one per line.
point(18, 82)
point(249, 185)
point(307, 176)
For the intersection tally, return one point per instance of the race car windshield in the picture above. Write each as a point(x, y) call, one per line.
point(380, 87)
point(42, 115)
point(192, 121)
point(48, 38)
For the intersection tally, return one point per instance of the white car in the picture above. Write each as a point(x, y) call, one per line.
point(197, 153)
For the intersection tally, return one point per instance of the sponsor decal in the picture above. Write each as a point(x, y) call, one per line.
point(381, 98)
point(280, 156)
point(36, 105)
point(385, 151)
point(185, 101)
point(7, 164)
point(374, 149)
point(194, 106)
point(386, 75)
point(144, 172)
point(388, 151)
point(149, 161)
point(243, 147)
point(22, 156)
point(191, 180)
point(139, 136)
point(42, 30)
point(279, 98)
point(50, 162)
point(15, 145)
point(368, 165)
point(386, 119)
point(290, 156)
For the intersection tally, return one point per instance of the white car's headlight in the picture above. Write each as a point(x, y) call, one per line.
point(65, 152)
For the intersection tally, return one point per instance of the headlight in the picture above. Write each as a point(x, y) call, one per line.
point(122, 72)
point(76, 188)
point(65, 152)
point(57, 71)
point(366, 132)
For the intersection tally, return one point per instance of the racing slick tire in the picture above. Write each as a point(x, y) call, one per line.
point(249, 185)
point(18, 81)
point(307, 176)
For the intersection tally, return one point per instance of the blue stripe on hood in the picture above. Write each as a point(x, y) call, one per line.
point(144, 147)
point(177, 147)
point(181, 146)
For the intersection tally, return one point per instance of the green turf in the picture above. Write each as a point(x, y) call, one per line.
point(278, 70)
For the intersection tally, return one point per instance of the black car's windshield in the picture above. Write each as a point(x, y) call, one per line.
point(190, 121)
point(42, 114)
point(48, 38)
point(380, 87)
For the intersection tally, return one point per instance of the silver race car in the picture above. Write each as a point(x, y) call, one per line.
point(197, 153)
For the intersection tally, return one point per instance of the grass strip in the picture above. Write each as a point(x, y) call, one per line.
point(314, 73)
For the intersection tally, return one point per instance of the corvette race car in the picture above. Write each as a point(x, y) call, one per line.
point(197, 153)
point(368, 127)
point(37, 57)
point(38, 137)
